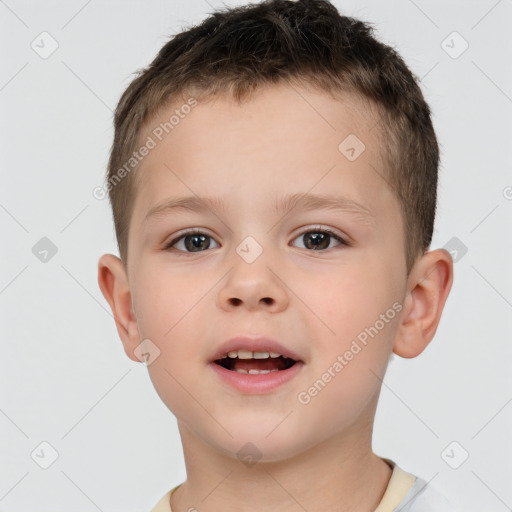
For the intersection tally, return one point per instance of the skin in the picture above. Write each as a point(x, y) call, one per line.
point(316, 456)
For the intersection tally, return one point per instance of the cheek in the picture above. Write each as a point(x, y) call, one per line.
point(162, 299)
point(356, 306)
point(171, 321)
point(347, 367)
point(171, 315)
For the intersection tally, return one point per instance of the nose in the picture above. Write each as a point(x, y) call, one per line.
point(253, 286)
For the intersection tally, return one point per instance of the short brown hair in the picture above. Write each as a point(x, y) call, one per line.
point(237, 50)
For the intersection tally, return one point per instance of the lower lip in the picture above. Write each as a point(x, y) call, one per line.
point(256, 384)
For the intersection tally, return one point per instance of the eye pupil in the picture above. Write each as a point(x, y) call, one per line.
point(197, 240)
point(319, 240)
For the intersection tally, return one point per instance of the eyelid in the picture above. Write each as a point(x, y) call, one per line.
point(343, 240)
point(321, 227)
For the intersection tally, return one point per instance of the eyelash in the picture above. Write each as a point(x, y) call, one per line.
point(318, 229)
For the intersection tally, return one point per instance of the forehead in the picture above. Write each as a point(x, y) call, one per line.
point(275, 109)
point(283, 136)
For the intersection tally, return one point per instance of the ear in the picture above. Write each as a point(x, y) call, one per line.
point(113, 282)
point(428, 286)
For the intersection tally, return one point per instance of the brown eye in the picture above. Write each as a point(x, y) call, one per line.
point(195, 241)
point(319, 239)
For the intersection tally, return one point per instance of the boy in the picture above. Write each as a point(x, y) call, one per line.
point(273, 182)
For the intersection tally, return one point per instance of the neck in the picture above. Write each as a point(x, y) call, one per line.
point(341, 473)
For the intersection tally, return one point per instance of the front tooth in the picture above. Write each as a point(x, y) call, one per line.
point(247, 354)
point(244, 354)
point(260, 355)
point(241, 370)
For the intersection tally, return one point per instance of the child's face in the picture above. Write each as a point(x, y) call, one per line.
point(314, 302)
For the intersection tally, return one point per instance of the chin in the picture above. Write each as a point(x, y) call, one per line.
point(255, 445)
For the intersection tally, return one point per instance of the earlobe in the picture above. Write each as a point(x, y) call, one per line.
point(114, 285)
point(428, 287)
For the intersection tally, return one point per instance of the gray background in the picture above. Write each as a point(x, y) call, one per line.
point(65, 379)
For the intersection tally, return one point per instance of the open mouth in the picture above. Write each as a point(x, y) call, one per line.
point(255, 363)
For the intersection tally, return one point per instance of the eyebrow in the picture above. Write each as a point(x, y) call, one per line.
point(304, 202)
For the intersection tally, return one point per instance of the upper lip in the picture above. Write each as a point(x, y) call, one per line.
point(260, 344)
